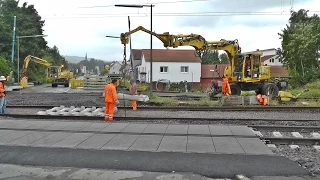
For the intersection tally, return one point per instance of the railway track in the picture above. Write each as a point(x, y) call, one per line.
point(288, 135)
point(199, 108)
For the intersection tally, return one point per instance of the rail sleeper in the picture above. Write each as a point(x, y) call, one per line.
point(296, 134)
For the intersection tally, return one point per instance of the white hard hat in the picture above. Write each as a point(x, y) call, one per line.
point(2, 78)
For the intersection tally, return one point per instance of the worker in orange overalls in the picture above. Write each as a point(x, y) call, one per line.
point(2, 95)
point(133, 91)
point(226, 91)
point(263, 99)
point(111, 99)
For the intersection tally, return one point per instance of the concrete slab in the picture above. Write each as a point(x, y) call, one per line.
point(77, 126)
point(241, 131)
point(115, 127)
point(199, 129)
point(227, 145)
point(73, 140)
point(173, 144)
point(135, 128)
point(18, 124)
point(13, 136)
point(41, 124)
point(200, 144)
point(254, 146)
point(5, 132)
point(121, 142)
point(95, 127)
point(156, 128)
point(96, 141)
point(29, 138)
point(51, 139)
point(220, 130)
point(58, 126)
point(209, 165)
point(177, 129)
point(147, 143)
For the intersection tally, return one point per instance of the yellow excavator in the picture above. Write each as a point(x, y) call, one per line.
point(246, 71)
point(62, 78)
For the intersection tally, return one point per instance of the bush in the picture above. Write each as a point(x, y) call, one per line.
point(199, 88)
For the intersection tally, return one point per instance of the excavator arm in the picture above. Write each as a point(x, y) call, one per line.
point(34, 59)
point(196, 41)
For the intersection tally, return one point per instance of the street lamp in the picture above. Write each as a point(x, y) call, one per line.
point(142, 6)
point(21, 37)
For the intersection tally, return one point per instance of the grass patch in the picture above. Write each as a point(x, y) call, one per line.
point(174, 102)
point(163, 100)
point(205, 101)
point(248, 93)
point(314, 90)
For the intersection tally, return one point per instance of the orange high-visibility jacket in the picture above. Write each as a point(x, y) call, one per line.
point(226, 86)
point(110, 93)
point(2, 90)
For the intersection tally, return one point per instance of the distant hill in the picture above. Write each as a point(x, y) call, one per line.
point(77, 59)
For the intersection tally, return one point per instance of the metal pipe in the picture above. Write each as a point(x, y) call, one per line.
point(151, 85)
point(18, 57)
point(13, 43)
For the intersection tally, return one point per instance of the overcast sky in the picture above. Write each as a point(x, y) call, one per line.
point(80, 26)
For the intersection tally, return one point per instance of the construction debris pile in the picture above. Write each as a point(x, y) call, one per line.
point(74, 111)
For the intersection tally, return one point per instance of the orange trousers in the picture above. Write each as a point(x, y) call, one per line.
point(134, 105)
point(109, 111)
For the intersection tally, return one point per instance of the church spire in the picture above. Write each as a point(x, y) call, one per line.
point(86, 57)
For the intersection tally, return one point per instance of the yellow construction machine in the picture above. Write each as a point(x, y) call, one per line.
point(61, 77)
point(246, 71)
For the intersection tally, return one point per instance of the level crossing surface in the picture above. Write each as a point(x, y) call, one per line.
point(209, 150)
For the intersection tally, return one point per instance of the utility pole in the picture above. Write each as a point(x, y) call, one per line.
point(131, 56)
point(13, 42)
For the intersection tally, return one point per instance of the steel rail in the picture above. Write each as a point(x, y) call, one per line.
point(286, 128)
point(286, 141)
point(44, 117)
point(199, 108)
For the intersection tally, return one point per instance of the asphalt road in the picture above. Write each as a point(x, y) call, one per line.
point(209, 165)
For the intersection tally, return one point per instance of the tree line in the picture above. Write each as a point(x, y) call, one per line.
point(300, 47)
point(28, 23)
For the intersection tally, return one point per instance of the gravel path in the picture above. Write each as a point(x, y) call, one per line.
point(57, 99)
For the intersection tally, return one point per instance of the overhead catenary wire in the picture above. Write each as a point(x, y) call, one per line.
point(164, 2)
point(195, 14)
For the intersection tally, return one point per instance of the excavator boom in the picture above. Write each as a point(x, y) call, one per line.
point(34, 59)
point(194, 40)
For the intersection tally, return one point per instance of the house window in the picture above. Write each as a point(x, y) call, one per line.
point(163, 69)
point(184, 69)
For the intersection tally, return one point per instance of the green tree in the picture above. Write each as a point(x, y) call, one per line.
point(210, 57)
point(300, 47)
point(223, 58)
point(4, 66)
point(29, 23)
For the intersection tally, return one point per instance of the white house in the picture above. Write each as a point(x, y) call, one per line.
point(269, 57)
point(115, 68)
point(172, 65)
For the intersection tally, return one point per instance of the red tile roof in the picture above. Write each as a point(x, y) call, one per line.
point(206, 73)
point(137, 53)
point(278, 71)
point(169, 55)
point(264, 58)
